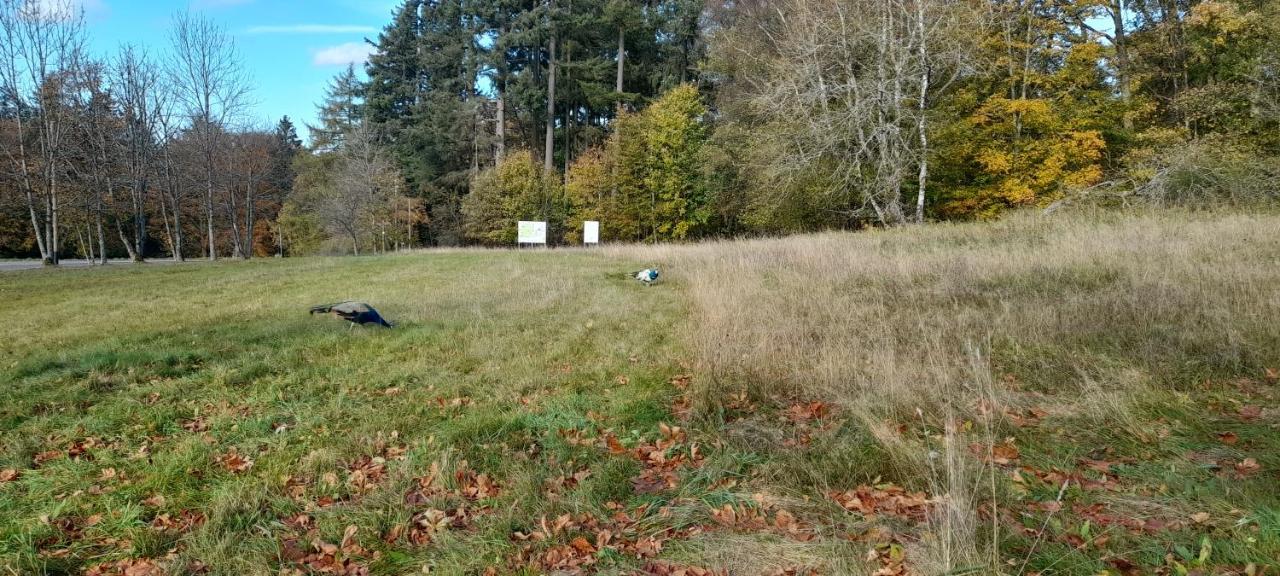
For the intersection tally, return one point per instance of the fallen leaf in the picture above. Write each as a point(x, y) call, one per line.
point(1200, 517)
point(8, 475)
point(234, 462)
point(1228, 438)
point(1250, 412)
point(1248, 466)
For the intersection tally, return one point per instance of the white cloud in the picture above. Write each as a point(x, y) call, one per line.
point(64, 9)
point(311, 29)
point(343, 54)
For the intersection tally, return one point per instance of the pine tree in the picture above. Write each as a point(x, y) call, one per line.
point(341, 112)
point(394, 70)
point(284, 150)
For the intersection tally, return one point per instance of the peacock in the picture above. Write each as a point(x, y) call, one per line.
point(648, 276)
point(353, 312)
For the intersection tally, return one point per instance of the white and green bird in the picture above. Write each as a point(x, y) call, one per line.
point(648, 276)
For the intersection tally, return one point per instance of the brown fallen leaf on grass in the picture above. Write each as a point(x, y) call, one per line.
point(365, 473)
point(668, 569)
point(805, 412)
point(127, 567)
point(558, 485)
point(425, 525)
point(886, 499)
point(183, 522)
point(197, 424)
point(1250, 412)
point(615, 446)
point(320, 557)
point(233, 462)
point(1004, 454)
point(473, 486)
point(1228, 438)
point(794, 571)
point(79, 449)
point(8, 475)
point(1272, 374)
point(1200, 517)
point(891, 559)
point(46, 456)
point(154, 501)
point(1248, 466)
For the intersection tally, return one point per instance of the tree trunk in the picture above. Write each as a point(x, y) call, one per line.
point(52, 222)
point(36, 227)
point(139, 220)
point(86, 243)
point(548, 163)
point(177, 233)
point(1121, 44)
point(622, 56)
point(500, 128)
point(921, 121)
point(128, 246)
point(568, 111)
point(237, 248)
point(168, 230)
point(208, 204)
point(25, 172)
point(102, 238)
point(249, 222)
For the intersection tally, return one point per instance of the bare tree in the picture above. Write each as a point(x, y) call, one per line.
point(136, 84)
point(250, 165)
point(40, 43)
point(173, 194)
point(363, 197)
point(841, 96)
point(96, 149)
point(213, 90)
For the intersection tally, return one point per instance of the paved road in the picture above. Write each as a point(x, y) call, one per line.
point(13, 265)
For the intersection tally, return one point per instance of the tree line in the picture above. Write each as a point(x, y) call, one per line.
point(685, 119)
point(130, 154)
point(672, 120)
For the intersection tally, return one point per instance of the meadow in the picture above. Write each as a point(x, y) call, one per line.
point(1076, 394)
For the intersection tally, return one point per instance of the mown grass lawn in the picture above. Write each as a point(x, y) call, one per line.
point(1079, 395)
point(127, 389)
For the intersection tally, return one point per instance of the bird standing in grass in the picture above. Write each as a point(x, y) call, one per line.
point(353, 312)
point(648, 276)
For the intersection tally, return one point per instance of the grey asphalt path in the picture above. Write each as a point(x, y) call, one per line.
point(15, 265)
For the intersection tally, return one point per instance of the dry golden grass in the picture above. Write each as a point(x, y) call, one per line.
point(890, 320)
point(949, 327)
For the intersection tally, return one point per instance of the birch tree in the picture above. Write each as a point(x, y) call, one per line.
point(41, 43)
point(213, 90)
point(136, 83)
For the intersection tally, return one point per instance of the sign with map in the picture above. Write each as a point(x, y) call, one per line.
point(531, 232)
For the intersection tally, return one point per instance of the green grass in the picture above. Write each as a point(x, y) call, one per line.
point(1144, 339)
point(126, 355)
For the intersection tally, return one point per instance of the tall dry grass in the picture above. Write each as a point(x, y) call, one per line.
point(1076, 305)
point(1076, 313)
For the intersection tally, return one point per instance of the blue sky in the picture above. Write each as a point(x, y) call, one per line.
point(290, 48)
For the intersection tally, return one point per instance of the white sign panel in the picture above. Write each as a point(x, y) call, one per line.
point(531, 232)
point(590, 232)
